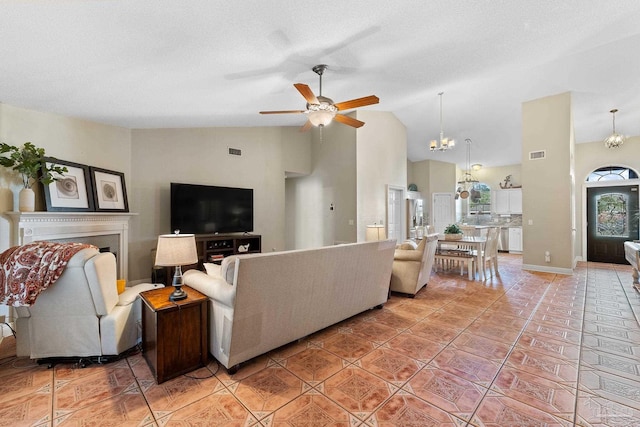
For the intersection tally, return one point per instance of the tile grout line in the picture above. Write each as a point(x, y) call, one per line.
point(579, 367)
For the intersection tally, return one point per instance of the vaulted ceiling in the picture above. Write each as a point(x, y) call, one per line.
point(202, 63)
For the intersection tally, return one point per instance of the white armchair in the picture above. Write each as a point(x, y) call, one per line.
point(412, 266)
point(81, 314)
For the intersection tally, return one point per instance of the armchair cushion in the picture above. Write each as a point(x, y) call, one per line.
point(131, 293)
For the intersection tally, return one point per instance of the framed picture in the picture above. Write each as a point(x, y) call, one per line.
point(109, 191)
point(70, 192)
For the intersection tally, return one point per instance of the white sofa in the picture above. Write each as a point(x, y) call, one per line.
point(259, 302)
point(81, 314)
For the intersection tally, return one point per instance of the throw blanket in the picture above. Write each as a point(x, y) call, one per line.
point(30, 269)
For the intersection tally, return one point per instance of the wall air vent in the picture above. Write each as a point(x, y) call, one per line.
point(235, 151)
point(537, 155)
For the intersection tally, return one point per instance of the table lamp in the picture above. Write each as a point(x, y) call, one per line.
point(176, 250)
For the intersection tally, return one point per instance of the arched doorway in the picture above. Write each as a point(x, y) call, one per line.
point(612, 213)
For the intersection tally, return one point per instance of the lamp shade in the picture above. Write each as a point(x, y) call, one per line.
point(375, 232)
point(176, 249)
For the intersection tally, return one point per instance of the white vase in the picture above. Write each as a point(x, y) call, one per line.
point(26, 200)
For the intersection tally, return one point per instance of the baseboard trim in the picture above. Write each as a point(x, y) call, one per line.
point(545, 269)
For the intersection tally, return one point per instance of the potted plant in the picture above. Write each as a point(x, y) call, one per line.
point(29, 161)
point(452, 232)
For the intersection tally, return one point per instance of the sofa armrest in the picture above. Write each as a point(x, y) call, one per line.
point(407, 255)
point(131, 293)
point(212, 286)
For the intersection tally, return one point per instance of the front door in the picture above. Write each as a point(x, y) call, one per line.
point(612, 219)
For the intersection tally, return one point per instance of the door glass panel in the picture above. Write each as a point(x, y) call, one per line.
point(612, 219)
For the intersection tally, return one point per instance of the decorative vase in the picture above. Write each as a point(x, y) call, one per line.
point(26, 200)
point(452, 236)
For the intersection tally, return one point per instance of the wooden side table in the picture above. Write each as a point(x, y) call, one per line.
point(174, 333)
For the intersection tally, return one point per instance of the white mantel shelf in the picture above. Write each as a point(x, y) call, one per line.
point(28, 227)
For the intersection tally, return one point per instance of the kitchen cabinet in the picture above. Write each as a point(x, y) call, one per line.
point(515, 239)
point(507, 201)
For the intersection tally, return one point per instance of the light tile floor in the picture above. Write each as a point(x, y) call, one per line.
point(521, 349)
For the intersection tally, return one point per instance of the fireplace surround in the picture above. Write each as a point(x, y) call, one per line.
point(103, 229)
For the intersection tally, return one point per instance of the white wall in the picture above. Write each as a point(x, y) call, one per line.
point(381, 159)
point(200, 156)
point(65, 138)
point(547, 202)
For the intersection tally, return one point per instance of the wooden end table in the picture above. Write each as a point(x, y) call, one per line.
point(174, 333)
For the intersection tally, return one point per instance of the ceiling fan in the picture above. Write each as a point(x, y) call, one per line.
point(322, 110)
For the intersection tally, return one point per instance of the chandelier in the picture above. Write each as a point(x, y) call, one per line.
point(467, 181)
point(444, 143)
point(614, 140)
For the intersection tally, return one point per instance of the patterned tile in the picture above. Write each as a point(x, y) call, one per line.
point(404, 409)
point(608, 345)
point(449, 392)
point(613, 332)
point(220, 408)
point(128, 409)
point(466, 365)
point(177, 393)
point(436, 331)
point(393, 320)
point(348, 346)
point(536, 391)
point(503, 334)
point(313, 365)
point(501, 411)
point(79, 388)
point(481, 346)
point(374, 331)
point(606, 362)
point(550, 347)
point(551, 368)
point(357, 390)
point(600, 412)
point(311, 409)
point(268, 389)
point(390, 365)
point(414, 346)
point(554, 332)
point(611, 387)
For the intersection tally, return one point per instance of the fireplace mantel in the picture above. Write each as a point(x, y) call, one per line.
point(27, 227)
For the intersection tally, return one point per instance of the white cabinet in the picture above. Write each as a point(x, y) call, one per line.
point(515, 239)
point(507, 201)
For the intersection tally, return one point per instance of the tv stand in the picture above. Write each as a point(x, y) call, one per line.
point(213, 248)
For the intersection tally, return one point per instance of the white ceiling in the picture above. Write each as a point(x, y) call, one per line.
point(201, 63)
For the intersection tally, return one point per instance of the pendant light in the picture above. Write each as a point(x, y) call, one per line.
point(614, 140)
point(467, 181)
point(444, 143)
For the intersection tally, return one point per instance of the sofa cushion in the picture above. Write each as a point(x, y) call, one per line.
point(212, 269)
point(407, 245)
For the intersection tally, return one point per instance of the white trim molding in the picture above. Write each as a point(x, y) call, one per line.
point(27, 227)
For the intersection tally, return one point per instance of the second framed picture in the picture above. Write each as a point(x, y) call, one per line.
point(109, 190)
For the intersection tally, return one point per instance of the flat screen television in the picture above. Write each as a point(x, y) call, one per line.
point(206, 209)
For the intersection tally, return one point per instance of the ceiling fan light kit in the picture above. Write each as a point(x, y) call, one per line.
point(321, 111)
point(614, 140)
point(444, 143)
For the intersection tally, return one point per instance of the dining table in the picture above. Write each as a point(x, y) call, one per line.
point(475, 244)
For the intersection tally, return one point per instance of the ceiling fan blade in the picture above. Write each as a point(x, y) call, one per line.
point(348, 120)
point(283, 112)
point(307, 93)
point(359, 102)
point(306, 126)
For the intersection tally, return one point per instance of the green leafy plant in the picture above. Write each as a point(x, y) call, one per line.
point(452, 229)
point(29, 161)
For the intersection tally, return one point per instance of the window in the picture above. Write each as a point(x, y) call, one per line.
point(612, 173)
point(480, 198)
point(612, 219)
